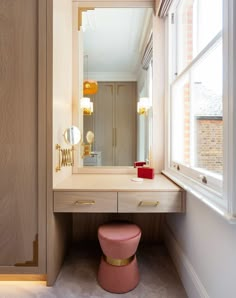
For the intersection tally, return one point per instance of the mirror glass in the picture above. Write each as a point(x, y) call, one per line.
point(72, 135)
point(90, 137)
point(114, 45)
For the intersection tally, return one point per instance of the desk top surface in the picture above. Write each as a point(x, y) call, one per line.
point(115, 182)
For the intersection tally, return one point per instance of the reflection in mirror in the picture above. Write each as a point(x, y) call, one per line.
point(87, 148)
point(72, 135)
point(145, 120)
point(117, 46)
point(90, 137)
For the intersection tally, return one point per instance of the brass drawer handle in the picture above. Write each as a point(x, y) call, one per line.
point(85, 202)
point(148, 203)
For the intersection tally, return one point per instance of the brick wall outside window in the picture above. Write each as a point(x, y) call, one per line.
point(208, 134)
point(209, 147)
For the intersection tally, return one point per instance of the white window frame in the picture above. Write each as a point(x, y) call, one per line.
point(225, 202)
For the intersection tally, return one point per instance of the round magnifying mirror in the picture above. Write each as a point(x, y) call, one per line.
point(72, 135)
point(90, 137)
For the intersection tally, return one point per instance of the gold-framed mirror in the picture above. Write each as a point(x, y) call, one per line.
point(142, 131)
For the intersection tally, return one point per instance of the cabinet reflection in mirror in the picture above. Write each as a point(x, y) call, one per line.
point(116, 44)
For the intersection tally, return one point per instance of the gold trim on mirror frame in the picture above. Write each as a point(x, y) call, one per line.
point(80, 11)
point(34, 262)
point(65, 157)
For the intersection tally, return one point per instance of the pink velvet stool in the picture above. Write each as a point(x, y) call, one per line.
point(118, 270)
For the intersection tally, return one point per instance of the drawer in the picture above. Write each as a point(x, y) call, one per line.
point(69, 201)
point(140, 202)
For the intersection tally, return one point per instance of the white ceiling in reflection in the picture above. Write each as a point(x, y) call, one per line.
point(113, 41)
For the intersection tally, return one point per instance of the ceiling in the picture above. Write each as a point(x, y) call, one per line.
point(113, 41)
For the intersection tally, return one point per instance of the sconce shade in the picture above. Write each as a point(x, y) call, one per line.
point(90, 87)
point(86, 105)
point(143, 106)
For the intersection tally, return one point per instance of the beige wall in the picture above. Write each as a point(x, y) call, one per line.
point(59, 23)
point(62, 79)
point(204, 250)
point(158, 93)
point(77, 80)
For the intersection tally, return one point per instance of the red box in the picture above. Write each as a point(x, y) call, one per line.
point(139, 163)
point(146, 173)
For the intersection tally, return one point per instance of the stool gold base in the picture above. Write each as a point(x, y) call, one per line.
point(118, 262)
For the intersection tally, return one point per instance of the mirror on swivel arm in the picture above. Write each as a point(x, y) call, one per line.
point(72, 136)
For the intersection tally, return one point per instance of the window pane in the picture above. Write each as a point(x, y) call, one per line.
point(207, 112)
point(184, 34)
point(207, 22)
point(198, 22)
point(197, 123)
point(181, 121)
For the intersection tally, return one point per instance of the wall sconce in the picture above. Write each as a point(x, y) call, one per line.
point(143, 105)
point(86, 151)
point(86, 105)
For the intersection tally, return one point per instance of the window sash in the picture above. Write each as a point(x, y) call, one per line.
point(205, 178)
point(214, 183)
point(227, 206)
point(211, 44)
point(229, 75)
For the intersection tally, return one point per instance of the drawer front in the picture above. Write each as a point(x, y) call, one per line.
point(146, 202)
point(68, 201)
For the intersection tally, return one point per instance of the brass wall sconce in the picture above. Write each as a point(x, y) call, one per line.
point(72, 136)
point(86, 151)
point(86, 105)
point(143, 106)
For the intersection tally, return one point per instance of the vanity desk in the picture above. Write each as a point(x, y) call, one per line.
point(118, 193)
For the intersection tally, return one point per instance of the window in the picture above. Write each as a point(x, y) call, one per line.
point(196, 91)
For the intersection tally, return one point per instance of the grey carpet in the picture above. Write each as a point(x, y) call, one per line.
point(77, 278)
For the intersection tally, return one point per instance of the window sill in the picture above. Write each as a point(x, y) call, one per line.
point(206, 196)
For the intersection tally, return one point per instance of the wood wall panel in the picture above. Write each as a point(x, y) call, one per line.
point(19, 138)
point(85, 226)
point(125, 123)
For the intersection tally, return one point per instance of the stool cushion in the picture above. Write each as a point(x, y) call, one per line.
point(119, 240)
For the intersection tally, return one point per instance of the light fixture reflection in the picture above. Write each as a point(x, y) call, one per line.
point(143, 105)
point(86, 105)
point(90, 87)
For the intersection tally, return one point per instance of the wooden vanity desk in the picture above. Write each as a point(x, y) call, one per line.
point(117, 193)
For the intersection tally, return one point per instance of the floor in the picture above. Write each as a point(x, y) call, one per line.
point(77, 278)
